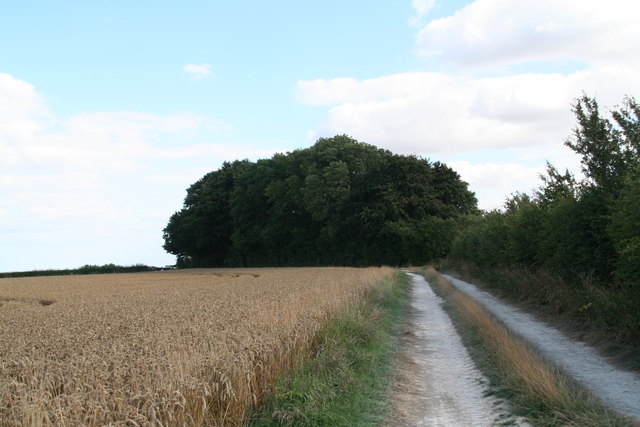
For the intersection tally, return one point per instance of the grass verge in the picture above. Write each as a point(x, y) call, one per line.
point(345, 382)
point(536, 389)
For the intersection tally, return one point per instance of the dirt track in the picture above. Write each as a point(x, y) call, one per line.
point(617, 388)
point(439, 384)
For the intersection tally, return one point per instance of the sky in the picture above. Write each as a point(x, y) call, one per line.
point(110, 110)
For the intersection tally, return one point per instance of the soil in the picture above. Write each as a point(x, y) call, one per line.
point(437, 382)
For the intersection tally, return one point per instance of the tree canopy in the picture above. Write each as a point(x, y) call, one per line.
point(586, 231)
point(574, 228)
point(339, 202)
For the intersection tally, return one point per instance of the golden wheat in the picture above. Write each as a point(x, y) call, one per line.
point(197, 347)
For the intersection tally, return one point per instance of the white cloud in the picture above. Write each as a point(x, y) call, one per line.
point(113, 176)
point(495, 175)
point(422, 8)
point(493, 183)
point(21, 109)
point(451, 117)
point(343, 90)
point(114, 142)
point(197, 71)
point(429, 113)
point(503, 32)
point(483, 105)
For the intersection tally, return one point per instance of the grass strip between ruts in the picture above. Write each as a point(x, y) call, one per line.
point(345, 381)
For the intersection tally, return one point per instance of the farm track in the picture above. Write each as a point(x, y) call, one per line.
point(617, 388)
point(438, 383)
point(441, 385)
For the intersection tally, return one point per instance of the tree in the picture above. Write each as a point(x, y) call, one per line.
point(339, 202)
point(200, 234)
point(607, 151)
point(598, 144)
point(625, 230)
point(567, 226)
point(555, 186)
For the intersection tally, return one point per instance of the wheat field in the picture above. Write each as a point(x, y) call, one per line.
point(192, 347)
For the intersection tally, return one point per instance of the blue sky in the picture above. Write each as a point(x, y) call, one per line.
point(110, 110)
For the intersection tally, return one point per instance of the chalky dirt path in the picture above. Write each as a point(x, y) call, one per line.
point(440, 385)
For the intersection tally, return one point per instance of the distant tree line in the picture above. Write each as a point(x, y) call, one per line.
point(587, 231)
point(85, 269)
point(339, 202)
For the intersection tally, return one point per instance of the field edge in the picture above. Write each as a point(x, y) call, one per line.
point(347, 378)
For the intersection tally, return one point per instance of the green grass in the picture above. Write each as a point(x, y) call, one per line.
point(346, 380)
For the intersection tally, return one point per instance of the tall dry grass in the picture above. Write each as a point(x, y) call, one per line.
point(524, 369)
point(196, 348)
point(602, 313)
point(538, 389)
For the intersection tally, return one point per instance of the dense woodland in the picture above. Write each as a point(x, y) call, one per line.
point(339, 202)
point(578, 238)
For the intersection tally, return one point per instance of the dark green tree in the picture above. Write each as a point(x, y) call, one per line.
point(624, 229)
point(339, 202)
point(573, 228)
point(200, 234)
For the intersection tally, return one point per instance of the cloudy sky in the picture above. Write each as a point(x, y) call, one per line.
point(110, 110)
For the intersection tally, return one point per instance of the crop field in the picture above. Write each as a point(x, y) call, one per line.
point(192, 347)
